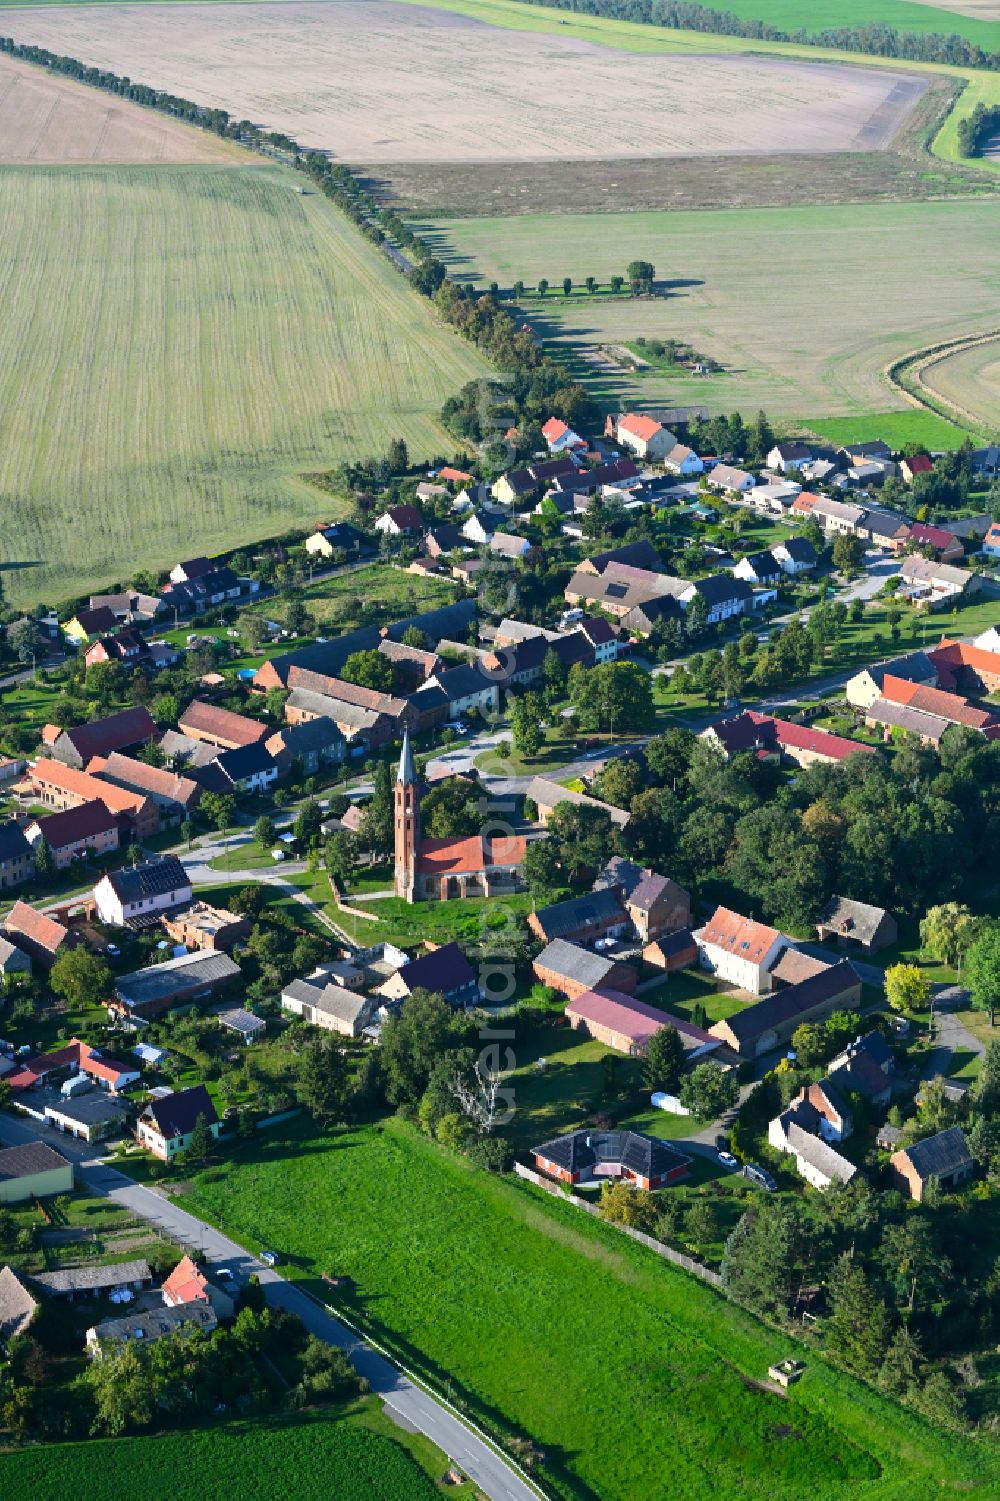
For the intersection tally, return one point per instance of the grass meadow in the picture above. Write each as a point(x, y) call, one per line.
point(241, 1461)
point(549, 1323)
point(915, 425)
point(803, 307)
point(180, 342)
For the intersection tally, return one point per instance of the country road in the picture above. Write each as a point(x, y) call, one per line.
point(411, 1404)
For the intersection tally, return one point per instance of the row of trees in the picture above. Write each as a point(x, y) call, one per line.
point(876, 40)
point(640, 276)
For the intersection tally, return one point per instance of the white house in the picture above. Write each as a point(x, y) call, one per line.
point(991, 542)
point(739, 950)
point(758, 568)
point(644, 436)
point(477, 530)
point(795, 555)
point(789, 456)
point(157, 885)
point(683, 460)
point(818, 1162)
point(724, 596)
point(399, 520)
point(725, 477)
point(559, 438)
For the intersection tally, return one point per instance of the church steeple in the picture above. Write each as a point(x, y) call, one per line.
point(406, 806)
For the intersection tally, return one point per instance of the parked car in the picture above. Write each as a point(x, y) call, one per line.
point(226, 1276)
point(728, 1160)
point(270, 1258)
point(760, 1176)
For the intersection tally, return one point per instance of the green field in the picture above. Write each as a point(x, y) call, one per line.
point(179, 342)
point(802, 307)
point(634, 1379)
point(242, 1462)
point(895, 428)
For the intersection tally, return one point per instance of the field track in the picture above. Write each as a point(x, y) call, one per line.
point(178, 343)
point(960, 379)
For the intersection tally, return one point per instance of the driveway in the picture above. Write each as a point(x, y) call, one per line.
point(409, 1403)
point(951, 1037)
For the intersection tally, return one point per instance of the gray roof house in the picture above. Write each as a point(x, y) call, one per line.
point(857, 925)
point(319, 1000)
point(17, 1306)
point(943, 1159)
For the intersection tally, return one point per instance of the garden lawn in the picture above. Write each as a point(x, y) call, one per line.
point(371, 595)
point(345, 1458)
point(634, 1378)
point(467, 922)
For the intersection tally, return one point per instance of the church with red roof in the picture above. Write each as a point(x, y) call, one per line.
point(447, 869)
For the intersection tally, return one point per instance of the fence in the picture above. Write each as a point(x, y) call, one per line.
point(686, 1263)
point(342, 906)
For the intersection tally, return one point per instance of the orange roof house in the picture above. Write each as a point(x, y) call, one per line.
point(454, 476)
point(39, 935)
point(186, 1284)
point(739, 950)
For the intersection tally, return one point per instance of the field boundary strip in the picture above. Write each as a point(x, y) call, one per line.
point(913, 366)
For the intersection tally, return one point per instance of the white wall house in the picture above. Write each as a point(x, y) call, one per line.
point(683, 460)
point(739, 950)
point(141, 890)
point(644, 436)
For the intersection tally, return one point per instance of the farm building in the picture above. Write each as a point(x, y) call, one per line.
point(769, 1024)
point(572, 970)
point(856, 925)
point(33, 1171)
point(943, 1159)
point(625, 1024)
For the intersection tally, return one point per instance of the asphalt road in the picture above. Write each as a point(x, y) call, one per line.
point(414, 1408)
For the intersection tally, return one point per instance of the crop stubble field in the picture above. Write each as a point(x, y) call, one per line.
point(802, 306)
point(179, 342)
point(432, 85)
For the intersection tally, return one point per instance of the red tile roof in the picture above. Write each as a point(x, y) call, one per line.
point(821, 742)
point(931, 536)
point(554, 429)
point(639, 426)
point(950, 706)
point(951, 655)
point(738, 935)
point(221, 724)
point(919, 464)
point(116, 732)
point(185, 1284)
point(442, 857)
point(49, 773)
point(44, 931)
point(456, 476)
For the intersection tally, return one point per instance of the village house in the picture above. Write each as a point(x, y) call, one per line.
point(248, 768)
point(796, 1132)
point(738, 950)
point(795, 555)
point(856, 925)
point(126, 647)
point(644, 436)
point(220, 727)
point(950, 707)
point(683, 461)
point(580, 919)
point(399, 521)
point(313, 744)
point(572, 970)
point(187, 1286)
point(621, 1022)
point(937, 583)
point(147, 993)
point(321, 1001)
point(789, 456)
point(864, 1068)
point(586, 1155)
point(33, 1171)
point(769, 1024)
point(559, 438)
point(88, 625)
point(17, 858)
point(89, 829)
point(943, 1160)
point(174, 795)
point(965, 665)
point(866, 686)
point(944, 545)
point(37, 934)
point(17, 1306)
point(991, 541)
point(63, 787)
point(146, 1327)
point(443, 971)
point(765, 736)
point(885, 530)
point(76, 1057)
point(724, 596)
point(126, 730)
point(137, 894)
point(918, 463)
point(206, 928)
point(730, 480)
point(547, 795)
point(165, 1126)
point(341, 536)
point(671, 952)
point(657, 906)
point(758, 568)
point(835, 516)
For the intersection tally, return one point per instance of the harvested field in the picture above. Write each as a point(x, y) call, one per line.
point(47, 119)
point(178, 344)
point(969, 380)
point(802, 307)
point(431, 85)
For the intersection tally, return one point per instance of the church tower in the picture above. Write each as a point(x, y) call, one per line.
point(407, 823)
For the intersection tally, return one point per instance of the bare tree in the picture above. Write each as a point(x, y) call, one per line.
point(480, 1092)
